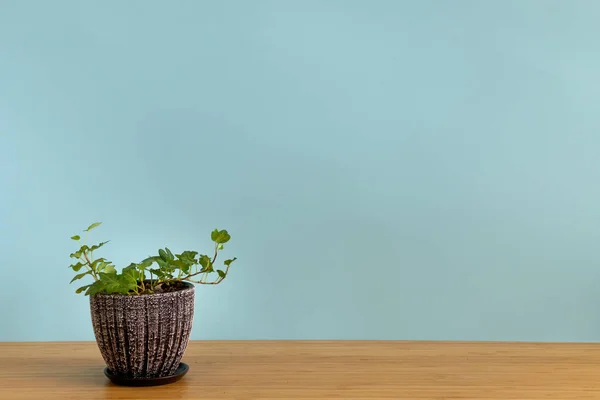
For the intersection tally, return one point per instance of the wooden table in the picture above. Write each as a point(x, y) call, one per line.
point(317, 370)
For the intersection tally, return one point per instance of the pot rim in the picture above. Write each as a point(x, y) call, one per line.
point(189, 287)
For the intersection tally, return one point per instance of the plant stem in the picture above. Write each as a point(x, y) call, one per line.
point(185, 278)
point(89, 263)
point(216, 252)
point(203, 281)
point(206, 283)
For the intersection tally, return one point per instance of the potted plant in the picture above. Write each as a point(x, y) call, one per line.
point(142, 316)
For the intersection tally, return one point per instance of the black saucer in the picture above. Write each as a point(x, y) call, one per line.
point(125, 381)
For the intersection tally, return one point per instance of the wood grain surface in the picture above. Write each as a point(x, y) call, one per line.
point(317, 370)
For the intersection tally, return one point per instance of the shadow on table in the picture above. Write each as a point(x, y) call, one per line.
point(91, 382)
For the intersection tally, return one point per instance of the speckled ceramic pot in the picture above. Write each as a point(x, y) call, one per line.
point(143, 336)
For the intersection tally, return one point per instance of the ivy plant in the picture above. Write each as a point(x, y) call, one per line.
point(160, 273)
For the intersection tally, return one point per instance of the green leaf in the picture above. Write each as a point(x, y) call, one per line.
point(220, 247)
point(77, 254)
point(163, 255)
point(228, 262)
point(186, 268)
point(220, 237)
point(130, 277)
point(102, 266)
point(114, 283)
point(97, 246)
point(76, 267)
point(95, 288)
point(98, 264)
point(183, 263)
point(187, 258)
point(92, 226)
point(169, 254)
point(130, 267)
point(206, 263)
point(98, 261)
point(204, 260)
point(189, 254)
point(79, 276)
point(109, 269)
point(81, 289)
point(147, 263)
point(76, 237)
point(221, 273)
point(157, 272)
point(127, 284)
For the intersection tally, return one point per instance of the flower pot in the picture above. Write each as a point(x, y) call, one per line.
point(143, 337)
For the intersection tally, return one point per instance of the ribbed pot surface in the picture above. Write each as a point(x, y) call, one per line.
point(143, 336)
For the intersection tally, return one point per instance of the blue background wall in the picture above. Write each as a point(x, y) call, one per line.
point(387, 169)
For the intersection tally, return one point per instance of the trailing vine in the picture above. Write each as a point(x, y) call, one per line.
point(160, 273)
